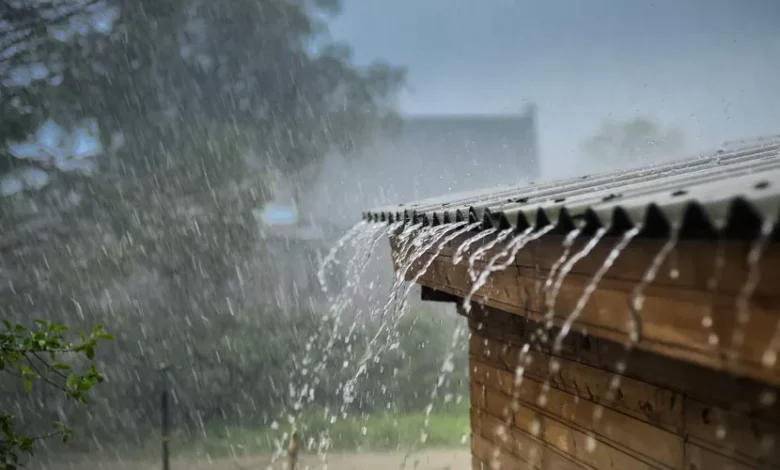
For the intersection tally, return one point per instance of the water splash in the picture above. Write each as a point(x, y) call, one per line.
point(638, 294)
point(510, 253)
point(484, 249)
point(355, 271)
point(416, 248)
point(444, 242)
point(439, 240)
point(635, 325)
point(593, 284)
point(446, 368)
point(436, 243)
point(769, 357)
point(361, 241)
point(330, 258)
point(461, 250)
point(565, 270)
point(567, 244)
point(411, 236)
point(432, 238)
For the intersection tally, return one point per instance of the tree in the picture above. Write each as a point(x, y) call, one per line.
point(181, 93)
point(637, 138)
point(36, 354)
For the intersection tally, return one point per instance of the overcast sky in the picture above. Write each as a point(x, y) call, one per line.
point(709, 66)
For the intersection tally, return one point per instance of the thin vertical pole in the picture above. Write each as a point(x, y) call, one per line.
point(165, 420)
point(292, 451)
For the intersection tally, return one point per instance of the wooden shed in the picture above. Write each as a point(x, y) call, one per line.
point(668, 278)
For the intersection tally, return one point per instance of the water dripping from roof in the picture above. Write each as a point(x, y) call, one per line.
point(593, 284)
point(638, 294)
point(565, 270)
point(713, 284)
point(330, 258)
point(426, 239)
point(440, 247)
point(568, 242)
point(461, 249)
point(509, 252)
point(484, 249)
point(635, 323)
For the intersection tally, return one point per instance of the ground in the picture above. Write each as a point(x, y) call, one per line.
point(446, 459)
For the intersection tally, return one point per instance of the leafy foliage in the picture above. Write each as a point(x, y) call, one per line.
point(193, 102)
point(36, 355)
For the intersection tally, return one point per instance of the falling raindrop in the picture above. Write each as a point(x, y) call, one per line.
point(638, 294)
point(484, 249)
point(593, 284)
point(590, 444)
point(567, 267)
point(464, 246)
point(746, 293)
point(509, 253)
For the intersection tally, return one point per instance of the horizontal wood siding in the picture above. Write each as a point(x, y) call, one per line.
point(573, 410)
point(682, 317)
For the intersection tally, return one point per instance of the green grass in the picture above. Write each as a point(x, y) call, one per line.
point(373, 432)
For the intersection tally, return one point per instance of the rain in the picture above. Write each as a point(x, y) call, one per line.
point(343, 234)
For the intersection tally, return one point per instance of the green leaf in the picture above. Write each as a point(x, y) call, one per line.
point(62, 366)
point(7, 324)
point(71, 381)
point(27, 385)
point(106, 336)
point(27, 372)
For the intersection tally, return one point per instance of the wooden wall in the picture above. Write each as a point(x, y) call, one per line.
point(665, 414)
point(682, 317)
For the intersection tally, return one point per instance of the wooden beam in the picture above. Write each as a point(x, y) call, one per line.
point(432, 295)
point(683, 316)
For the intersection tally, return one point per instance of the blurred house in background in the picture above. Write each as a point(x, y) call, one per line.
point(432, 155)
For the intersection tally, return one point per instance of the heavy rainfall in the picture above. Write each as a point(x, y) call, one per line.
point(192, 274)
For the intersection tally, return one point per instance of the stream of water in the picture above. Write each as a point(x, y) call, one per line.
point(489, 251)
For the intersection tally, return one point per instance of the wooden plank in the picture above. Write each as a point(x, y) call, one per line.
point(733, 434)
point(626, 432)
point(484, 348)
point(699, 458)
point(707, 385)
point(555, 460)
point(529, 450)
point(590, 450)
point(493, 455)
point(676, 377)
point(655, 405)
point(532, 451)
point(477, 393)
point(671, 325)
point(584, 448)
point(475, 415)
point(693, 261)
point(669, 316)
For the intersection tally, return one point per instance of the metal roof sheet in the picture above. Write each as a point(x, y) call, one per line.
point(734, 190)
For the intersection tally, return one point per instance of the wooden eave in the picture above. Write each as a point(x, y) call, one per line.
point(683, 317)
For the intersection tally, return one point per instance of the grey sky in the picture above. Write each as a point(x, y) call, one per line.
point(709, 66)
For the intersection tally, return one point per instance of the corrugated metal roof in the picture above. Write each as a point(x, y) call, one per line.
point(733, 190)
